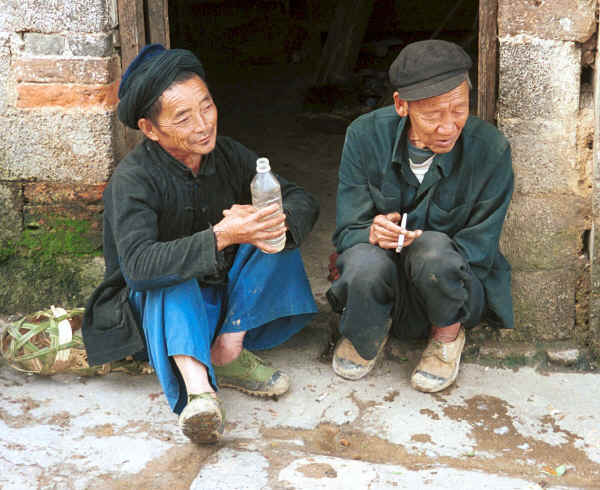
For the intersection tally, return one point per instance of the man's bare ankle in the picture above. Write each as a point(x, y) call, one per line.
point(445, 334)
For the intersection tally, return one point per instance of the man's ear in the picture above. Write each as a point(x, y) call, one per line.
point(147, 128)
point(400, 105)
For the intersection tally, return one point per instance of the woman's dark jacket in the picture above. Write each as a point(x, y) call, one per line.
point(158, 220)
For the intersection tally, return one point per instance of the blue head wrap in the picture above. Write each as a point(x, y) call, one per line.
point(151, 73)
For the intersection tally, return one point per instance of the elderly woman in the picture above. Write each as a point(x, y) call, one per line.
point(187, 277)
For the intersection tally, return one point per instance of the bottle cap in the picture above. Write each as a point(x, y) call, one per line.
point(262, 165)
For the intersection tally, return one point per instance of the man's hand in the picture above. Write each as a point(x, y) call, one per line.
point(247, 224)
point(385, 231)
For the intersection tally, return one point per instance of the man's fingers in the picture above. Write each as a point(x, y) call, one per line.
point(394, 217)
point(389, 226)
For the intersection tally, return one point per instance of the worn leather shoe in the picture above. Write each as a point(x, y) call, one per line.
point(348, 363)
point(439, 364)
point(203, 418)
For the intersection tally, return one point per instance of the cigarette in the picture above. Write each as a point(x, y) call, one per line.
point(401, 236)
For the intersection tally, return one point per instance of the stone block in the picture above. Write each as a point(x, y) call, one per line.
point(567, 20)
point(67, 70)
point(35, 95)
point(11, 210)
point(538, 78)
point(51, 16)
point(95, 45)
point(78, 211)
point(544, 304)
point(35, 284)
point(563, 356)
point(57, 193)
point(63, 146)
point(544, 154)
point(544, 232)
point(44, 44)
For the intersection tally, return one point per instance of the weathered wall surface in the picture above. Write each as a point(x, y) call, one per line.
point(58, 83)
point(544, 108)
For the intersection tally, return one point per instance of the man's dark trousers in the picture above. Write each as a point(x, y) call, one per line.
point(428, 283)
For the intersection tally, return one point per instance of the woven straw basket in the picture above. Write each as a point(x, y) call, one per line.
point(50, 342)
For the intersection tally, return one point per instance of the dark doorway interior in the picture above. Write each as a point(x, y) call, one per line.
point(234, 37)
point(260, 58)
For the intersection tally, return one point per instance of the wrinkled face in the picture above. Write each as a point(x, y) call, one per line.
point(436, 122)
point(187, 123)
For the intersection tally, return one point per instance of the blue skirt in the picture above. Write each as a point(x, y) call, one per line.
point(268, 296)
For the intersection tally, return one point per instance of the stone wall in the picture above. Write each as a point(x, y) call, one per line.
point(58, 92)
point(545, 109)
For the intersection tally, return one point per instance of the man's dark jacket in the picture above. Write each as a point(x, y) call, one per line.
point(465, 194)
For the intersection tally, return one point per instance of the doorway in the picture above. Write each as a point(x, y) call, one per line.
point(261, 58)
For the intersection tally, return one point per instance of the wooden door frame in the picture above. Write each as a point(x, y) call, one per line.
point(141, 22)
point(487, 69)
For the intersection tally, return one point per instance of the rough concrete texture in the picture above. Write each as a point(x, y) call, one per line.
point(67, 70)
point(544, 155)
point(585, 139)
point(542, 233)
point(593, 334)
point(51, 16)
point(496, 429)
point(56, 145)
point(544, 304)
point(11, 208)
point(538, 79)
point(567, 20)
point(5, 59)
point(35, 283)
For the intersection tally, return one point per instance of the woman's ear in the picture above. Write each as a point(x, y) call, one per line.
point(400, 105)
point(147, 128)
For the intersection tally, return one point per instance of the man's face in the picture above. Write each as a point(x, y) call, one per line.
point(436, 122)
point(187, 123)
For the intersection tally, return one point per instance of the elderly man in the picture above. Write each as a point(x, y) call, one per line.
point(185, 251)
point(423, 191)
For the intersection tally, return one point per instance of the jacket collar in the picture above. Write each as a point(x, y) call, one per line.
point(163, 157)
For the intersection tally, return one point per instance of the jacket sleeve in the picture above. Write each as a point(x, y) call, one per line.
point(147, 263)
point(301, 209)
point(355, 208)
point(478, 240)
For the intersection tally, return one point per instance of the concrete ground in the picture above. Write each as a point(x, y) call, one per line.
point(494, 429)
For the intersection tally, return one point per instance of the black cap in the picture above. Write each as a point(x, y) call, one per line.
point(429, 68)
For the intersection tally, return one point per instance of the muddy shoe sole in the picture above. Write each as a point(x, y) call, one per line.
point(202, 420)
point(348, 364)
point(439, 365)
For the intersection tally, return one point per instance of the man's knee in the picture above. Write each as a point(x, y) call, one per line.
point(366, 264)
point(432, 255)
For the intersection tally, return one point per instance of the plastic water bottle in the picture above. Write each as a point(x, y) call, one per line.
point(265, 190)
